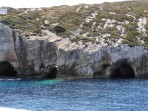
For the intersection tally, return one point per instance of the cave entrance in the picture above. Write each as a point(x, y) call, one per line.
point(52, 74)
point(123, 71)
point(7, 70)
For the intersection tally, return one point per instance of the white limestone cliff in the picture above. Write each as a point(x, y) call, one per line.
point(39, 56)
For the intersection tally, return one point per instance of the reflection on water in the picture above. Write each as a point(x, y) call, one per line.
point(75, 95)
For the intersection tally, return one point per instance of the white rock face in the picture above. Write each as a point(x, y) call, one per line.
point(119, 27)
point(112, 13)
point(78, 9)
point(89, 18)
point(141, 25)
point(39, 55)
point(109, 23)
point(46, 22)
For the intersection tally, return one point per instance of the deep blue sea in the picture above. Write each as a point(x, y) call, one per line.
point(75, 95)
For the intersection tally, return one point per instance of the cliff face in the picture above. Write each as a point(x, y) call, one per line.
point(48, 55)
point(7, 45)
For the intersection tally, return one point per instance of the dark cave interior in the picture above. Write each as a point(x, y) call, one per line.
point(52, 74)
point(7, 70)
point(123, 71)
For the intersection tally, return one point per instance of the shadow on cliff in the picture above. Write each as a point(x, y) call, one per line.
point(7, 70)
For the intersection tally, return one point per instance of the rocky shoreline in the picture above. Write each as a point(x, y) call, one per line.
point(51, 56)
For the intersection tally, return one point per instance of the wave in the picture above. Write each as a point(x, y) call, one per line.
point(10, 79)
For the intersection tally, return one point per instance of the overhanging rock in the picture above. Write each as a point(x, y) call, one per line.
point(38, 56)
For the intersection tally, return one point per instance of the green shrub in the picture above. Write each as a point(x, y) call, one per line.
point(59, 29)
point(86, 39)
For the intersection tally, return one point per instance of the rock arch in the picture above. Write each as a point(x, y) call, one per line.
point(123, 71)
point(53, 73)
point(7, 70)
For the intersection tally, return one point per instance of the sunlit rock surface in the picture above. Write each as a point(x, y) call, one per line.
point(42, 56)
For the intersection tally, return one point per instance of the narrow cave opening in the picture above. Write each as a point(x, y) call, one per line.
point(52, 74)
point(7, 70)
point(123, 71)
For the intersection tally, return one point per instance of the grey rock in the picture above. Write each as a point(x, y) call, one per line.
point(38, 56)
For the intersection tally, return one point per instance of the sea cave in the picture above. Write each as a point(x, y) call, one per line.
point(7, 70)
point(123, 71)
point(52, 74)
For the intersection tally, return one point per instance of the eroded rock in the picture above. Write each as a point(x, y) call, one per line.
point(43, 56)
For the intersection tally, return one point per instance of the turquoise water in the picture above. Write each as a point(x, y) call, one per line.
point(75, 95)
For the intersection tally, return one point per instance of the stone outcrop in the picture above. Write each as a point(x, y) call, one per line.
point(51, 56)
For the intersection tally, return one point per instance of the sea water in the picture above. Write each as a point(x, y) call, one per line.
point(74, 95)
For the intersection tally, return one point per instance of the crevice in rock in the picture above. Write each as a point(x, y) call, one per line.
point(7, 70)
point(123, 71)
point(102, 71)
point(52, 74)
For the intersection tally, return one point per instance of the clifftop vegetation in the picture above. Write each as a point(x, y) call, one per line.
point(108, 23)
